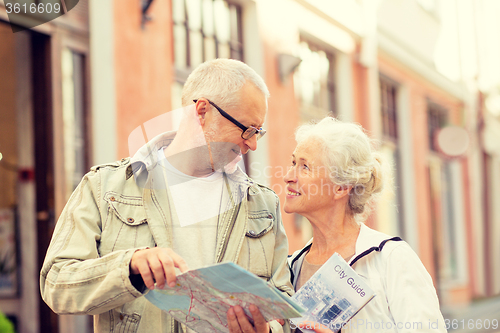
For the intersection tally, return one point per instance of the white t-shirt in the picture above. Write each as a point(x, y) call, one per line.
point(197, 202)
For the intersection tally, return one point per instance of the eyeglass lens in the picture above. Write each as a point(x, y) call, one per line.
point(251, 131)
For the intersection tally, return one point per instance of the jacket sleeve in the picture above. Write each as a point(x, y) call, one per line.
point(74, 279)
point(411, 295)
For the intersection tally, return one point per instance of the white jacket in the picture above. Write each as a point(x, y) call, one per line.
point(405, 300)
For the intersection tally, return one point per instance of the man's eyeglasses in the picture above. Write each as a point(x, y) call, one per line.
point(248, 132)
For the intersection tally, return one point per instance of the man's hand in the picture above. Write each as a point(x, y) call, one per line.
point(157, 264)
point(238, 322)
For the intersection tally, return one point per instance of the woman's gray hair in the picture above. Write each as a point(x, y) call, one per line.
point(350, 159)
point(219, 80)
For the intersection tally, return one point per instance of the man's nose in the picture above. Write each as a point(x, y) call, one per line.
point(252, 142)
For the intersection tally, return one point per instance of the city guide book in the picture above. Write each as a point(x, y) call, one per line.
point(202, 297)
point(332, 296)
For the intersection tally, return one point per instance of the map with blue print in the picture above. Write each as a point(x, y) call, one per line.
point(202, 297)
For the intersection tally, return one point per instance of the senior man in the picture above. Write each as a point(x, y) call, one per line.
point(181, 202)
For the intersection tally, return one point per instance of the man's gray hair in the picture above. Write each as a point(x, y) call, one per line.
point(219, 80)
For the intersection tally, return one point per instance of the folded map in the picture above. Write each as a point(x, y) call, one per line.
point(202, 297)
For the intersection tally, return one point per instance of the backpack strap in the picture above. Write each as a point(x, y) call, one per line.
point(361, 255)
point(370, 250)
point(297, 257)
point(374, 248)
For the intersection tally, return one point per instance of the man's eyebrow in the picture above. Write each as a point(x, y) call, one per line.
point(256, 126)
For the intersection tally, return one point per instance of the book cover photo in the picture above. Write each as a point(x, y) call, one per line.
point(332, 296)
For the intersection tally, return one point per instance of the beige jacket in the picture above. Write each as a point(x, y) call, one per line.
point(121, 207)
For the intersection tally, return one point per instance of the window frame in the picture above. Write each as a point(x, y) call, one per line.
point(235, 42)
point(312, 111)
point(389, 109)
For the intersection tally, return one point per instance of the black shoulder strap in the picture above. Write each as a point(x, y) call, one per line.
point(364, 253)
point(370, 250)
point(374, 248)
point(305, 249)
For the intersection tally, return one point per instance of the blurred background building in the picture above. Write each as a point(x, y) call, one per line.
point(422, 76)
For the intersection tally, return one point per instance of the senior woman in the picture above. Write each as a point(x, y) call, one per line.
point(334, 176)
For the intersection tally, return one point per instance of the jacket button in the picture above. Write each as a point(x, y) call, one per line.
point(251, 232)
point(121, 316)
point(270, 216)
point(112, 199)
point(130, 220)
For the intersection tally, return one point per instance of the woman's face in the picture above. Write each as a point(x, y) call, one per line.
point(309, 188)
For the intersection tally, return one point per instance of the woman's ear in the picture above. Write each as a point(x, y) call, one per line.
point(342, 190)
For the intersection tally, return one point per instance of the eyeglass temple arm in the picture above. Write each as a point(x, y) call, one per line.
point(226, 115)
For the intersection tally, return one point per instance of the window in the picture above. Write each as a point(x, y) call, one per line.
point(390, 218)
point(436, 119)
point(388, 100)
point(314, 82)
point(74, 118)
point(446, 199)
point(204, 30)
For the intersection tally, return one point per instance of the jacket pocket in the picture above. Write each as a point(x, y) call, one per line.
point(126, 224)
point(259, 224)
point(260, 242)
point(127, 323)
point(127, 208)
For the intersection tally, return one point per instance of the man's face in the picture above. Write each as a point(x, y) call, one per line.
point(225, 139)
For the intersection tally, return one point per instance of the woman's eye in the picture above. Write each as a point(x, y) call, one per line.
point(306, 167)
point(293, 163)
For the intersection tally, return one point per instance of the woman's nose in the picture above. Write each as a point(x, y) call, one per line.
point(290, 175)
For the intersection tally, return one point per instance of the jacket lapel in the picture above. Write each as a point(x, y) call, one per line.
point(233, 224)
point(159, 208)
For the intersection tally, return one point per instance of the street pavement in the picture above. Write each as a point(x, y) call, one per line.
point(481, 316)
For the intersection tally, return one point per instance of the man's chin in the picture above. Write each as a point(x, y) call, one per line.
point(233, 165)
point(225, 156)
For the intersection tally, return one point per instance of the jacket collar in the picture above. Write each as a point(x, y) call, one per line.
point(367, 238)
point(146, 159)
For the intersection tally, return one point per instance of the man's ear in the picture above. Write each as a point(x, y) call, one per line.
point(342, 191)
point(202, 107)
